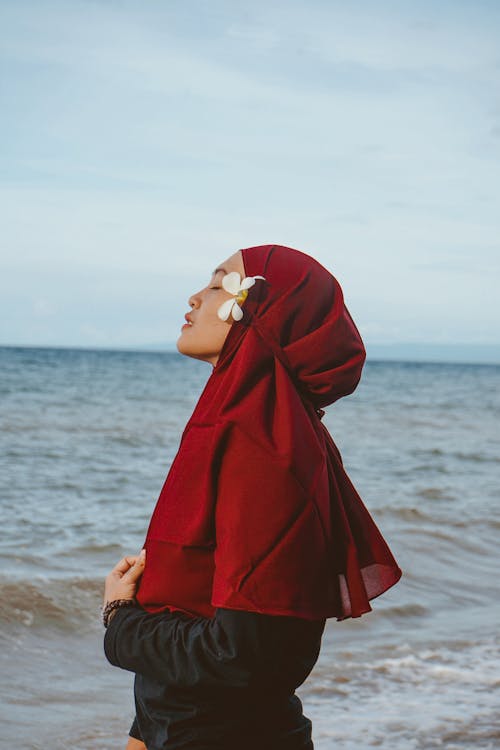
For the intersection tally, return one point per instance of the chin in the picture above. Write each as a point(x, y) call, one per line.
point(180, 345)
point(188, 351)
point(184, 348)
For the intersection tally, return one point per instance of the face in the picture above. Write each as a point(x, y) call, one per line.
point(205, 337)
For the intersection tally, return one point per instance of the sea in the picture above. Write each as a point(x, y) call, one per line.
point(86, 440)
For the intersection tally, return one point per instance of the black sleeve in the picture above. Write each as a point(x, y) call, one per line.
point(235, 648)
point(134, 730)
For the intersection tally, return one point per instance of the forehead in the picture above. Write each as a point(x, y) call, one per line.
point(233, 263)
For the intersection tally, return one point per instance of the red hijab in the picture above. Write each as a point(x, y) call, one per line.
point(257, 512)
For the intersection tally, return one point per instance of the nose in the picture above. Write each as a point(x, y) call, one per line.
point(194, 300)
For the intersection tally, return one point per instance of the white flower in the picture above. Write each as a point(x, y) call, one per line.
point(232, 283)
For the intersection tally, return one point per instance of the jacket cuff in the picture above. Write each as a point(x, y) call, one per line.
point(111, 633)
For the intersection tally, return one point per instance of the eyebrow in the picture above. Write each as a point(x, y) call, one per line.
point(219, 269)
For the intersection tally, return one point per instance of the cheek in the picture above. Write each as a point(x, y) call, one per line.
point(220, 328)
point(211, 327)
point(212, 312)
point(216, 303)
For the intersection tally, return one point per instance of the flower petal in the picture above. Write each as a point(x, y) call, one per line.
point(247, 282)
point(231, 282)
point(237, 312)
point(259, 277)
point(225, 309)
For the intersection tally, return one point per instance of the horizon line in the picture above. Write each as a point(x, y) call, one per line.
point(409, 357)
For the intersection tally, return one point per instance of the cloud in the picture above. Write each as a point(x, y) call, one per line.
point(151, 140)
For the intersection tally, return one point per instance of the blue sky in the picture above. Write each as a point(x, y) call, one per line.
point(143, 142)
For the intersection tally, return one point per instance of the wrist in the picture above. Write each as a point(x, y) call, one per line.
point(112, 614)
point(109, 609)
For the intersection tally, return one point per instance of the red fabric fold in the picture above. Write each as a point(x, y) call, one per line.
point(257, 512)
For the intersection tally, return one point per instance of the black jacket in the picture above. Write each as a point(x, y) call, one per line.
point(216, 683)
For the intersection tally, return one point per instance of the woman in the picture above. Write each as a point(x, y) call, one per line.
point(258, 535)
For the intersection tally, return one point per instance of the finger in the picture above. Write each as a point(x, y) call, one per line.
point(124, 564)
point(137, 569)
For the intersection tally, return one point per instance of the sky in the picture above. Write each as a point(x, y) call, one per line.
point(144, 142)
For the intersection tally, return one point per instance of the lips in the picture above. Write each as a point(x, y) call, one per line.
point(188, 320)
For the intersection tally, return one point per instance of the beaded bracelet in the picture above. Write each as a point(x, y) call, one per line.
point(115, 604)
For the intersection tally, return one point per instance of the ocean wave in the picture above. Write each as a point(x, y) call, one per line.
point(406, 513)
point(403, 610)
point(473, 456)
point(436, 518)
point(435, 493)
point(65, 603)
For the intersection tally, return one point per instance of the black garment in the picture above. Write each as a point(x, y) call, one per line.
point(228, 682)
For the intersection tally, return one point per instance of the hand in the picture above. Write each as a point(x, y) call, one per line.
point(134, 744)
point(121, 583)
